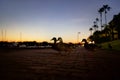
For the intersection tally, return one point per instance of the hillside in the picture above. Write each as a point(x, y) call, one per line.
point(115, 45)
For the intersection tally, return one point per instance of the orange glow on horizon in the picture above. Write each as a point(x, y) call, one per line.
point(17, 39)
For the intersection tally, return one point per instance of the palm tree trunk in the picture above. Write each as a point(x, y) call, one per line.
point(105, 18)
point(101, 21)
point(91, 32)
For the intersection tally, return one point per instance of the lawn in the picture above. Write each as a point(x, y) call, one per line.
point(115, 45)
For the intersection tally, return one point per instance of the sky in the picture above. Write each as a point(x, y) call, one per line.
point(41, 20)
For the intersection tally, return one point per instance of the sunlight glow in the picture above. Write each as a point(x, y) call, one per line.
point(39, 20)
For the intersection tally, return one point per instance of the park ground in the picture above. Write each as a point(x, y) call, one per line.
point(48, 64)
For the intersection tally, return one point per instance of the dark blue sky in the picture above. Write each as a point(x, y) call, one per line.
point(43, 19)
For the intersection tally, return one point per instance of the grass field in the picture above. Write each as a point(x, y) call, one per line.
point(115, 45)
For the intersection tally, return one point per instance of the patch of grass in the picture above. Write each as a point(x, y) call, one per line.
point(115, 45)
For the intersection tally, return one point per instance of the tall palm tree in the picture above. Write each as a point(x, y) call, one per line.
point(91, 29)
point(100, 11)
point(95, 26)
point(97, 21)
point(106, 8)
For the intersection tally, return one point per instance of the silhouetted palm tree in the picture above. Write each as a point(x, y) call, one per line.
point(97, 21)
point(106, 8)
point(95, 26)
point(100, 11)
point(91, 29)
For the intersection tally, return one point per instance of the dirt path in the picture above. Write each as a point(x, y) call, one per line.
point(48, 64)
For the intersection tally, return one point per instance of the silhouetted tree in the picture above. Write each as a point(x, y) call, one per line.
point(106, 8)
point(97, 22)
point(91, 29)
point(97, 36)
point(106, 32)
point(115, 24)
point(91, 38)
point(111, 26)
point(45, 43)
point(100, 11)
point(95, 26)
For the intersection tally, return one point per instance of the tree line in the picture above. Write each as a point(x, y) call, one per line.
point(109, 31)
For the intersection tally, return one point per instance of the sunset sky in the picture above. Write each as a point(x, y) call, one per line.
point(40, 20)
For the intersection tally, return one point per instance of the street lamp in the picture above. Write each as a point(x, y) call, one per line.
point(78, 37)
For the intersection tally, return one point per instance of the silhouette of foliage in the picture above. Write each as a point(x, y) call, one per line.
point(109, 31)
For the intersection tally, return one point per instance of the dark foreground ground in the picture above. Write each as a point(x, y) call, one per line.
point(48, 64)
